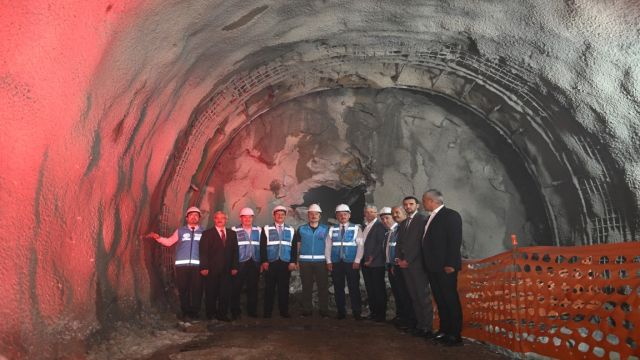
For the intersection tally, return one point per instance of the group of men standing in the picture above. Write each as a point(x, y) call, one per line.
point(420, 255)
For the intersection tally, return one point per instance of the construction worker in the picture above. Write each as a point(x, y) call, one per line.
point(344, 247)
point(249, 264)
point(310, 238)
point(277, 252)
point(187, 263)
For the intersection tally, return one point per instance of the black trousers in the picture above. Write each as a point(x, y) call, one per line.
point(217, 294)
point(189, 284)
point(277, 277)
point(445, 291)
point(404, 310)
point(248, 275)
point(376, 291)
point(342, 271)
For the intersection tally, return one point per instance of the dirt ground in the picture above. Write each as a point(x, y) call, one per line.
point(278, 338)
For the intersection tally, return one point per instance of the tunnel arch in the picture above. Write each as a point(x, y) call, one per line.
point(535, 126)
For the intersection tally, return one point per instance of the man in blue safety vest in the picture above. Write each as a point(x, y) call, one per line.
point(277, 252)
point(310, 238)
point(344, 247)
point(249, 264)
point(187, 262)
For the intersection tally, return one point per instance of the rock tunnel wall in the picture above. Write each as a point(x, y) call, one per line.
point(115, 116)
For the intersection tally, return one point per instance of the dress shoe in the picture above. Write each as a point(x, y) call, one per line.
point(418, 332)
point(452, 341)
point(439, 335)
point(357, 317)
point(267, 316)
point(306, 313)
point(323, 314)
point(370, 317)
point(285, 315)
point(341, 316)
point(235, 317)
point(252, 315)
point(224, 318)
point(429, 335)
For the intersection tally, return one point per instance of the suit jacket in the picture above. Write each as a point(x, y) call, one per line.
point(441, 244)
point(215, 256)
point(374, 245)
point(409, 245)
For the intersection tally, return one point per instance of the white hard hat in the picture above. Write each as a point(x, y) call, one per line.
point(314, 207)
point(246, 211)
point(385, 211)
point(343, 207)
point(279, 208)
point(194, 209)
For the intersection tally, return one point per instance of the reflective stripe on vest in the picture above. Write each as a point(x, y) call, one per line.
point(248, 247)
point(344, 249)
point(188, 250)
point(312, 243)
point(278, 249)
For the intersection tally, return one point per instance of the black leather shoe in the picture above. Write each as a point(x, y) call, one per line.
point(418, 332)
point(324, 315)
point(439, 335)
point(224, 318)
point(452, 341)
point(370, 317)
point(285, 315)
point(235, 317)
point(357, 317)
point(267, 316)
point(429, 335)
point(341, 316)
point(307, 313)
point(253, 315)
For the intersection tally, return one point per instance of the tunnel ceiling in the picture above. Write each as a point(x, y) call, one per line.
point(115, 115)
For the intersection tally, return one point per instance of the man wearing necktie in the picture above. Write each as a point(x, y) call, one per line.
point(409, 253)
point(249, 264)
point(344, 248)
point(188, 278)
point(277, 252)
point(219, 255)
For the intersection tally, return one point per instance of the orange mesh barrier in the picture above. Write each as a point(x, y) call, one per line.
point(561, 302)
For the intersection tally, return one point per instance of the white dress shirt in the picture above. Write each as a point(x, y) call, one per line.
point(433, 214)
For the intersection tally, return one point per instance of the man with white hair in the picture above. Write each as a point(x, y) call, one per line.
point(249, 264)
point(310, 238)
point(187, 262)
point(343, 252)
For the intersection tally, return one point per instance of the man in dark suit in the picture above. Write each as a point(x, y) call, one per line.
point(441, 253)
point(409, 253)
point(373, 262)
point(218, 263)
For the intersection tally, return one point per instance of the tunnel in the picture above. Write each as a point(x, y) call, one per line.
point(118, 116)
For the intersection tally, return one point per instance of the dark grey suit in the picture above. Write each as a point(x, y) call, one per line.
point(409, 247)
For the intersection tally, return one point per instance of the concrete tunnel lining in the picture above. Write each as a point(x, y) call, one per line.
point(100, 101)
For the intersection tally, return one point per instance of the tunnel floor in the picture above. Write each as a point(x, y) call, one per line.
point(277, 338)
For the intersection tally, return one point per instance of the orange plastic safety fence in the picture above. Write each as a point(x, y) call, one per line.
point(561, 302)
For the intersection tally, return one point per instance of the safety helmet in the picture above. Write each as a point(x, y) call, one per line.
point(314, 207)
point(193, 209)
point(343, 207)
point(385, 211)
point(279, 208)
point(246, 212)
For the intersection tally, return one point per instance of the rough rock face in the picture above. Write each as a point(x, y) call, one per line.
point(394, 143)
point(115, 117)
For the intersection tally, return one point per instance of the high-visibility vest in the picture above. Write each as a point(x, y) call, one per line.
point(277, 248)
point(312, 243)
point(248, 244)
point(188, 248)
point(345, 248)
